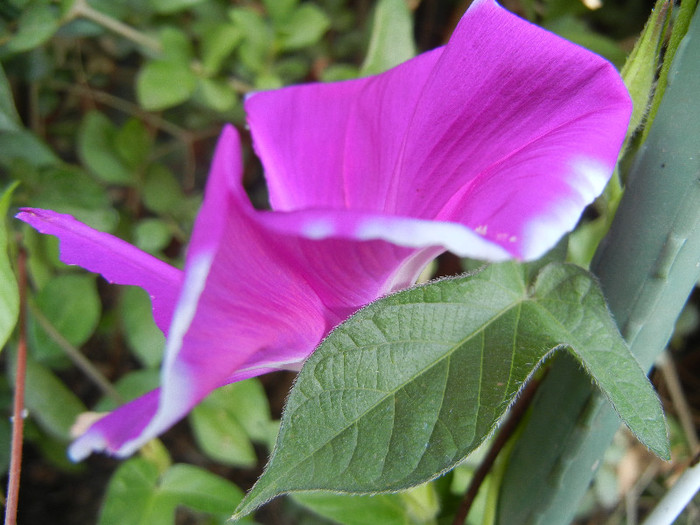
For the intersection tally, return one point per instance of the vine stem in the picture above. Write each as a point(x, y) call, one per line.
point(18, 404)
point(82, 9)
point(505, 432)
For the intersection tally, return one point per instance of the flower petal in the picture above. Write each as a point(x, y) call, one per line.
point(508, 130)
point(116, 260)
point(315, 139)
point(254, 299)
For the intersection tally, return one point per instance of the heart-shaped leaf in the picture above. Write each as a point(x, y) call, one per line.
point(413, 383)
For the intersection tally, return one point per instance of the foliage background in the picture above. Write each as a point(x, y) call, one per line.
point(109, 111)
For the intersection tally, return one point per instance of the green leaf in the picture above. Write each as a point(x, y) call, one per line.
point(218, 42)
point(49, 402)
point(392, 37)
point(161, 191)
point(413, 383)
point(142, 335)
point(133, 143)
point(37, 24)
point(172, 6)
point(162, 84)
point(217, 94)
point(641, 67)
point(226, 421)
point(26, 146)
point(416, 506)
point(70, 304)
point(303, 28)
point(97, 150)
point(9, 118)
point(139, 495)
point(9, 294)
point(152, 235)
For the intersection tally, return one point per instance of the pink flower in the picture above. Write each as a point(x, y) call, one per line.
point(490, 147)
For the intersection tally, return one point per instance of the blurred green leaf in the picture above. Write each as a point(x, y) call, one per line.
point(303, 28)
point(133, 143)
point(24, 145)
point(152, 235)
point(217, 94)
point(38, 22)
point(137, 494)
point(49, 402)
point(172, 6)
point(226, 421)
point(464, 348)
point(577, 31)
point(280, 10)
point(9, 293)
point(72, 307)
point(97, 138)
point(161, 192)
point(144, 338)
point(177, 46)
point(256, 45)
point(218, 42)
point(392, 37)
point(411, 507)
point(9, 119)
point(162, 84)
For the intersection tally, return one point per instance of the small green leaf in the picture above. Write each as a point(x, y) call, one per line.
point(172, 6)
point(152, 235)
point(49, 402)
point(9, 294)
point(70, 304)
point(96, 148)
point(217, 94)
point(9, 118)
point(25, 146)
point(161, 191)
point(303, 28)
point(37, 24)
point(177, 46)
point(142, 335)
point(133, 143)
point(226, 421)
point(411, 384)
point(280, 10)
point(162, 84)
point(392, 37)
point(218, 42)
point(138, 494)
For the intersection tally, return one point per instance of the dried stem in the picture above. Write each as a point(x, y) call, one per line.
point(18, 405)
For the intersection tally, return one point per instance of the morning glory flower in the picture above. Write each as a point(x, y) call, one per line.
point(489, 147)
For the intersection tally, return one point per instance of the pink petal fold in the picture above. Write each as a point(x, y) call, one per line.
point(508, 130)
point(490, 147)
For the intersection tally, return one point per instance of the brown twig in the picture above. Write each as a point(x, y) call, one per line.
point(517, 411)
point(18, 408)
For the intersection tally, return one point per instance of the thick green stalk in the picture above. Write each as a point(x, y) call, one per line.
point(648, 265)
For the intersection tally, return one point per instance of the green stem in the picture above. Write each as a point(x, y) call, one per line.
point(648, 265)
point(82, 9)
point(79, 360)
